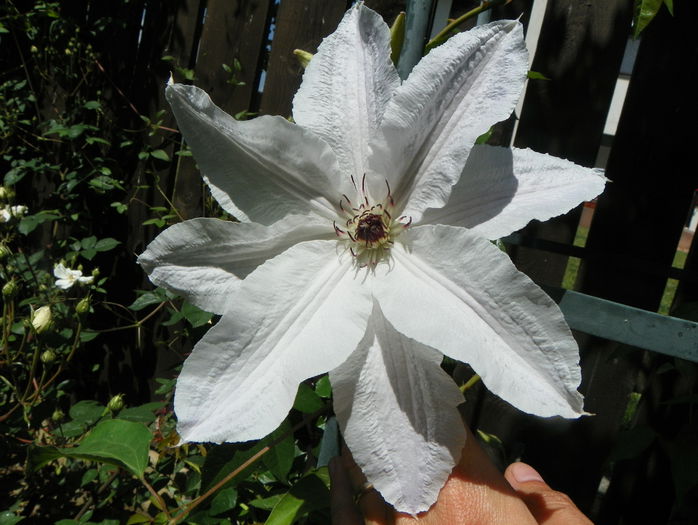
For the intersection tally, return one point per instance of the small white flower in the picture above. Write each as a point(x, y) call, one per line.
point(66, 278)
point(364, 249)
point(8, 212)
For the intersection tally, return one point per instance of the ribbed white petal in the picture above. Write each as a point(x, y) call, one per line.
point(204, 259)
point(298, 315)
point(258, 170)
point(501, 190)
point(452, 96)
point(346, 87)
point(397, 410)
point(455, 291)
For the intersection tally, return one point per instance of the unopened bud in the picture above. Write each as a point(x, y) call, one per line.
point(6, 193)
point(4, 252)
point(9, 289)
point(116, 403)
point(41, 319)
point(95, 273)
point(83, 306)
point(57, 415)
point(303, 57)
point(48, 357)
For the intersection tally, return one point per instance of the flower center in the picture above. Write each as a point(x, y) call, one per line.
point(370, 228)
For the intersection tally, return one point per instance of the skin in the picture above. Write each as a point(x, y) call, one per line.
point(476, 493)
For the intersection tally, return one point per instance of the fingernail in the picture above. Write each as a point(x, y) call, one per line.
point(523, 473)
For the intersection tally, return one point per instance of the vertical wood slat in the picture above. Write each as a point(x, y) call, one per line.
point(580, 49)
point(300, 24)
point(233, 30)
point(641, 214)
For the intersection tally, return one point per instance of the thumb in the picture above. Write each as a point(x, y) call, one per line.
point(548, 506)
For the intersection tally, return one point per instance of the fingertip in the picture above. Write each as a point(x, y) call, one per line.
point(518, 473)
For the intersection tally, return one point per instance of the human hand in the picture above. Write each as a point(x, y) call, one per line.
point(475, 494)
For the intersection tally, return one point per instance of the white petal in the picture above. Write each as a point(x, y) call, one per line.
point(398, 412)
point(64, 284)
point(296, 316)
point(458, 293)
point(204, 259)
point(451, 97)
point(346, 87)
point(501, 190)
point(86, 280)
point(259, 170)
point(61, 272)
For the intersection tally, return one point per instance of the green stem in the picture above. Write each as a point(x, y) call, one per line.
point(187, 509)
point(445, 33)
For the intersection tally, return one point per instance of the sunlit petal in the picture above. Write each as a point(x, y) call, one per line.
point(205, 259)
point(457, 292)
point(298, 315)
point(261, 169)
point(452, 96)
point(397, 411)
point(502, 189)
point(349, 81)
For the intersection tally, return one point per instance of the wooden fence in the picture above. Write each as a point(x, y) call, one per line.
point(620, 466)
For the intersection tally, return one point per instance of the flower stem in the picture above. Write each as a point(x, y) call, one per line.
point(445, 33)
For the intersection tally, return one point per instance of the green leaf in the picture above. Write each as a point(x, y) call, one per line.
point(323, 388)
point(116, 442)
point(307, 400)
point(223, 501)
point(141, 414)
point(266, 503)
point(155, 297)
point(224, 459)
point(279, 459)
point(309, 494)
point(29, 223)
point(104, 245)
point(196, 316)
point(7, 517)
point(160, 155)
point(535, 75)
point(86, 412)
point(645, 11)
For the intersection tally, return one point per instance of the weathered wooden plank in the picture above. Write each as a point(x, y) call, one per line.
point(233, 30)
point(182, 46)
point(580, 49)
point(300, 24)
point(641, 214)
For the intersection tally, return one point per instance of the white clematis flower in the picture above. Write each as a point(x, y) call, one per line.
point(66, 278)
point(364, 250)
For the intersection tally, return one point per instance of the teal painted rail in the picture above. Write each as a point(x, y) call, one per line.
point(628, 325)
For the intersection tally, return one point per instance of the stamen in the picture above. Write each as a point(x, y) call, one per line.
point(353, 182)
point(363, 185)
point(337, 230)
point(347, 198)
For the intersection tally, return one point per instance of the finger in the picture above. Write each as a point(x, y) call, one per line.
point(476, 493)
point(548, 506)
point(374, 510)
point(342, 507)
